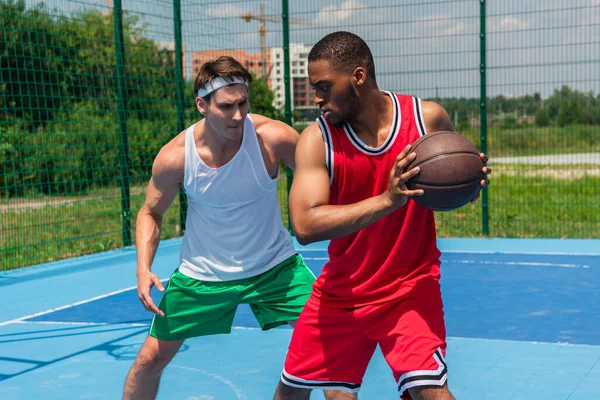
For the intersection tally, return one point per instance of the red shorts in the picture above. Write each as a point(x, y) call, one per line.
point(331, 347)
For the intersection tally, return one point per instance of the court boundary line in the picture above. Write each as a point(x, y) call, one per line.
point(81, 323)
point(77, 303)
point(536, 253)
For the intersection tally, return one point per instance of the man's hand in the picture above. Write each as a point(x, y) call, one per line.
point(145, 282)
point(486, 171)
point(397, 191)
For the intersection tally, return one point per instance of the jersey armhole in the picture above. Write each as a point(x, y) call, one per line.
point(419, 120)
point(326, 133)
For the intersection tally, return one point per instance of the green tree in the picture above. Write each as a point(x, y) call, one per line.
point(30, 63)
point(261, 99)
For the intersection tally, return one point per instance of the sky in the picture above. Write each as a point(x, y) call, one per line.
point(429, 48)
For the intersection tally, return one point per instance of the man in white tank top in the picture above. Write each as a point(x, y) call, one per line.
point(235, 249)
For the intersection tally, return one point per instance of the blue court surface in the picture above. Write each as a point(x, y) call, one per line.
point(523, 320)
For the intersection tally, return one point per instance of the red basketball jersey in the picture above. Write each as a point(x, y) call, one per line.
point(384, 260)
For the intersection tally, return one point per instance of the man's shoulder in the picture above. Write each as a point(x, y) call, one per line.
point(172, 155)
point(269, 129)
point(264, 124)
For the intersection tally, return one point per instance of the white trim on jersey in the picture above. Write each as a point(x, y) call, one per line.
point(389, 141)
point(329, 155)
point(419, 119)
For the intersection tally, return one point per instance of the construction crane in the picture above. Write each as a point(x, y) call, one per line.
point(262, 30)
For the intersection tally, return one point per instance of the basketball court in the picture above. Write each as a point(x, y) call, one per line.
point(522, 316)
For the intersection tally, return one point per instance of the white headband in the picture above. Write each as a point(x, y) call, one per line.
point(218, 83)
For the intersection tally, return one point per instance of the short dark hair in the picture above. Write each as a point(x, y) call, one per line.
point(226, 67)
point(345, 51)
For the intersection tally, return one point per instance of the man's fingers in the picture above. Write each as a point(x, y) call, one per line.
point(150, 306)
point(403, 153)
point(413, 193)
point(146, 298)
point(409, 174)
point(402, 163)
point(158, 283)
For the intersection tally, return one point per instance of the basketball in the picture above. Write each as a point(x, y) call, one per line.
point(450, 171)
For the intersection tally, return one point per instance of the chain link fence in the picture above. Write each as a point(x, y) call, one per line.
point(91, 91)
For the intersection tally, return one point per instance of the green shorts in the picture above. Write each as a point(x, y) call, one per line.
point(197, 308)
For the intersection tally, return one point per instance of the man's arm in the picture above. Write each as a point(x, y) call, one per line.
point(313, 218)
point(167, 175)
point(436, 118)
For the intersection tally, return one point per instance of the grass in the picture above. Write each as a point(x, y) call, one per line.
point(527, 140)
point(533, 140)
point(524, 202)
point(54, 228)
point(532, 202)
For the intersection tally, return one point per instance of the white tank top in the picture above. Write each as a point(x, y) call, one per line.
point(233, 225)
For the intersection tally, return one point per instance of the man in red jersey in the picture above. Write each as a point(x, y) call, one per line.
point(381, 285)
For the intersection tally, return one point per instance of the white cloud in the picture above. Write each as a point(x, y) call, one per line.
point(438, 26)
point(430, 21)
point(224, 11)
point(333, 15)
point(453, 30)
point(508, 24)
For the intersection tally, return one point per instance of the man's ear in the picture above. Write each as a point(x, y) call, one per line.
point(202, 105)
point(359, 75)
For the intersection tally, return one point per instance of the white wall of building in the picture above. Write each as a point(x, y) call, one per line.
point(298, 69)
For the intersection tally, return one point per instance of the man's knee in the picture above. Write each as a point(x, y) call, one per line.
point(339, 395)
point(285, 392)
point(155, 355)
point(151, 363)
point(431, 393)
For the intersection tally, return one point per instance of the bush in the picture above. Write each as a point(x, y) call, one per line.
point(542, 117)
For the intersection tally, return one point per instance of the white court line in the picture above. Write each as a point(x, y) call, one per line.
point(523, 263)
point(529, 264)
point(77, 303)
point(238, 391)
point(80, 323)
point(535, 253)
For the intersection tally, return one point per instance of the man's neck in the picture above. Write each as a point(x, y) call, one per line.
point(375, 114)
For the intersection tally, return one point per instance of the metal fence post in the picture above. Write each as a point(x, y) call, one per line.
point(122, 115)
point(288, 93)
point(483, 114)
point(179, 98)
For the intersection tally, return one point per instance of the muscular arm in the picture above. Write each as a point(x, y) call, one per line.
point(167, 175)
point(436, 118)
point(164, 185)
point(313, 218)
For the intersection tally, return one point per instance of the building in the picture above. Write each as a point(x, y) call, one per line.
point(253, 62)
point(302, 96)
